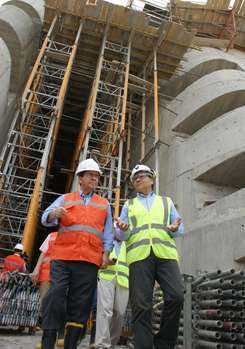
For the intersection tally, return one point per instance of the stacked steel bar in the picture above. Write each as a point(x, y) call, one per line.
point(218, 303)
point(19, 300)
point(158, 303)
point(157, 309)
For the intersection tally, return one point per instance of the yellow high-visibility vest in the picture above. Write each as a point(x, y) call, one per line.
point(147, 229)
point(118, 271)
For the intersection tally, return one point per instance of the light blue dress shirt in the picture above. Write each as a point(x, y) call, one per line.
point(147, 201)
point(107, 235)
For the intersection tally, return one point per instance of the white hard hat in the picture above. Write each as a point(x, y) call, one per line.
point(143, 168)
point(88, 165)
point(19, 247)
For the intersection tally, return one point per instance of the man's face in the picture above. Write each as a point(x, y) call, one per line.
point(89, 181)
point(142, 182)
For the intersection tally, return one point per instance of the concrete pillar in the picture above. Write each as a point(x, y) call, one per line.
point(18, 32)
point(5, 69)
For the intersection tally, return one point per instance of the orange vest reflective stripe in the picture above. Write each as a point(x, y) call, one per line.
point(80, 231)
point(44, 273)
point(14, 262)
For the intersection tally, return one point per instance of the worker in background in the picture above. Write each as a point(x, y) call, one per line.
point(83, 245)
point(112, 298)
point(15, 261)
point(41, 276)
point(150, 224)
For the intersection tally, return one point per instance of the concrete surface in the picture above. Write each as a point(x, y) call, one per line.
point(202, 157)
point(18, 31)
point(5, 69)
point(12, 340)
point(196, 64)
point(211, 97)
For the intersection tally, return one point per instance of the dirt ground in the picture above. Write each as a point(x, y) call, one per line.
point(11, 339)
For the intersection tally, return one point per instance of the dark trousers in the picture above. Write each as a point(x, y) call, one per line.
point(142, 276)
point(71, 293)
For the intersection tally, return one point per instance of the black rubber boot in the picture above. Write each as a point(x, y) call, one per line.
point(49, 339)
point(72, 335)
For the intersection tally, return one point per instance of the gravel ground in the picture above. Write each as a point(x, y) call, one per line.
point(11, 339)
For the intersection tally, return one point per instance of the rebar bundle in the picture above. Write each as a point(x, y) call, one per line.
point(157, 308)
point(19, 300)
point(218, 310)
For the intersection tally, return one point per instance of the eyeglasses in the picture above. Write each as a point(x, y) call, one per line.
point(141, 176)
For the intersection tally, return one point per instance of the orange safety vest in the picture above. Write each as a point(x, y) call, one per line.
point(80, 230)
point(44, 273)
point(14, 263)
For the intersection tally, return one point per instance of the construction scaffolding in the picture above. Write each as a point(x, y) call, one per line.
point(97, 67)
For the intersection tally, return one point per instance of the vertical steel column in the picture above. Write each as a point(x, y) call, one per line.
point(60, 102)
point(94, 93)
point(142, 148)
point(129, 133)
point(187, 324)
point(122, 129)
point(38, 60)
point(84, 134)
point(156, 122)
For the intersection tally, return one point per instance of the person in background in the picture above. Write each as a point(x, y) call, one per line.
point(41, 276)
point(150, 223)
point(83, 245)
point(112, 298)
point(15, 261)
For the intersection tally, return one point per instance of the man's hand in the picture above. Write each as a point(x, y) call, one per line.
point(105, 260)
point(175, 225)
point(121, 225)
point(56, 213)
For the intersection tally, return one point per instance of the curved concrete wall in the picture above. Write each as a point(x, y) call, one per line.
point(202, 158)
point(5, 69)
point(20, 29)
point(210, 96)
point(17, 30)
point(197, 64)
point(219, 141)
point(34, 8)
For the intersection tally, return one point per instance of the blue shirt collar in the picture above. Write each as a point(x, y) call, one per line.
point(141, 195)
point(89, 195)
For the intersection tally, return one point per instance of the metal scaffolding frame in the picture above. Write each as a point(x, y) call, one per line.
point(25, 158)
point(109, 67)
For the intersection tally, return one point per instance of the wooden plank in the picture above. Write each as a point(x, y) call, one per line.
point(208, 42)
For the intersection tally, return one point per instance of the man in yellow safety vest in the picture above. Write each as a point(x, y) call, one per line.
point(150, 224)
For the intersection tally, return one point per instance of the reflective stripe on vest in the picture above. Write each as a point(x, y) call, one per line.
point(148, 229)
point(78, 227)
point(81, 202)
point(46, 260)
point(120, 270)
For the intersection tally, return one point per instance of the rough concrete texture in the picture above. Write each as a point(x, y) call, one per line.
point(34, 8)
point(8, 118)
point(211, 96)
point(17, 30)
point(5, 69)
point(202, 157)
point(196, 64)
point(12, 340)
